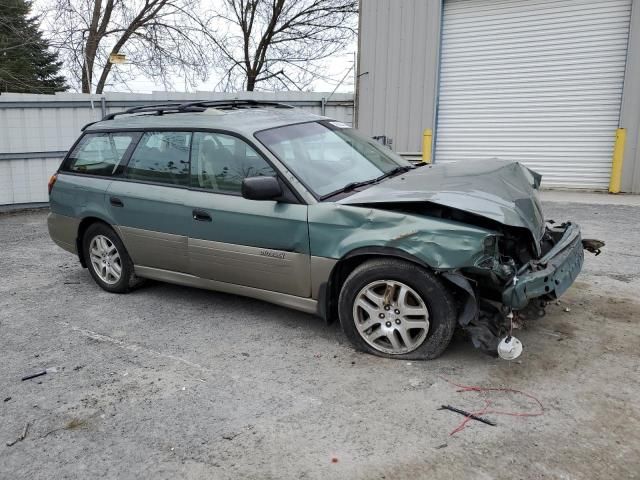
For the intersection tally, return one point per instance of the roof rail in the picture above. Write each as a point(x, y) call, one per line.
point(233, 104)
point(159, 109)
point(199, 106)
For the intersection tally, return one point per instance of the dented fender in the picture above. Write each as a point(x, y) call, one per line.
point(335, 230)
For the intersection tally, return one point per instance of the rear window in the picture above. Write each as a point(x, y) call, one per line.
point(99, 153)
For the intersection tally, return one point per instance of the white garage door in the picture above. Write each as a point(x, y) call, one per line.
point(535, 81)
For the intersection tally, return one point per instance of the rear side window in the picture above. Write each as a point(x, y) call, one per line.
point(99, 153)
point(161, 157)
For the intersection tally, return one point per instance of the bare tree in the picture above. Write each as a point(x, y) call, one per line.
point(163, 39)
point(276, 43)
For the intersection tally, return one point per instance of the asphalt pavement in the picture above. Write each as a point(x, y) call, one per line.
point(175, 382)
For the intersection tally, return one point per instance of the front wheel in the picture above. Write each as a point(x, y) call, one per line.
point(396, 309)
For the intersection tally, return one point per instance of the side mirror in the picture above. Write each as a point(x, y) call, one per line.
point(261, 188)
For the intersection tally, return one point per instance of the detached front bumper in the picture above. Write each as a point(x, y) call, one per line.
point(551, 275)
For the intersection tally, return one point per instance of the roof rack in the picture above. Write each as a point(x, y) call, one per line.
point(158, 109)
point(199, 106)
point(234, 104)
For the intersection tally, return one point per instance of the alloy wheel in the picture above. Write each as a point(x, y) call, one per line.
point(105, 259)
point(391, 317)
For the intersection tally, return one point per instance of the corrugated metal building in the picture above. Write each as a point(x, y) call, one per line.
point(544, 82)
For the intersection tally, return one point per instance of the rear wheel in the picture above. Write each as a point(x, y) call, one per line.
point(393, 308)
point(108, 261)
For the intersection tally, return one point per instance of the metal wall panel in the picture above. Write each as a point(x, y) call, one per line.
point(36, 130)
point(630, 115)
point(25, 180)
point(397, 69)
point(535, 81)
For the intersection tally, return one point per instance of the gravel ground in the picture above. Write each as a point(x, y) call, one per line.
point(173, 382)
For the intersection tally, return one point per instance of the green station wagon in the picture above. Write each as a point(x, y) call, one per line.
point(271, 202)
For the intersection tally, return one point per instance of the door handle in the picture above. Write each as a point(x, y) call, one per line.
point(201, 216)
point(116, 202)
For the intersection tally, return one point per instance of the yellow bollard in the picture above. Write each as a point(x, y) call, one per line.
point(427, 138)
point(618, 158)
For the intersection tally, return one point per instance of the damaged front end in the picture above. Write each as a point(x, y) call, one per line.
point(522, 262)
point(512, 286)
point(551, 275)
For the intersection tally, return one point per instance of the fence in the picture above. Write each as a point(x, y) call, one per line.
point(37, 130)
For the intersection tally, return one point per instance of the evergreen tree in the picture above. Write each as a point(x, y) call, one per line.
point(26, 64)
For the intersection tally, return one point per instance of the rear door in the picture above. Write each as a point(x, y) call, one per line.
point(260, 244)
point(83, 180)
point(148, 201)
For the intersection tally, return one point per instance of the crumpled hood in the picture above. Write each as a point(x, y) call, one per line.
point(499, 190)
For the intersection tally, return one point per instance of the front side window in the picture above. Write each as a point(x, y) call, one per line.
point(327, 156)
point(99, 153)
point(161, 157)
point(220, 162)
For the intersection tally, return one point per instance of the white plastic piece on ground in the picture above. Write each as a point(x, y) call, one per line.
point(510, 348)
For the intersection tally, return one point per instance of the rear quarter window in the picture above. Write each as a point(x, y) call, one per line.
point(161, 157)
point(99, 153)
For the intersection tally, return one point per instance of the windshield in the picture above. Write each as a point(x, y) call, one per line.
point(327, 156)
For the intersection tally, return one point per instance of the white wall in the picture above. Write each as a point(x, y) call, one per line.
point(25, 180)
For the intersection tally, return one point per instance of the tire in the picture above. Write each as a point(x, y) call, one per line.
point(102, 238)
point(401, 291)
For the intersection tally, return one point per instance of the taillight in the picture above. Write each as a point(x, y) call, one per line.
point(52, 182)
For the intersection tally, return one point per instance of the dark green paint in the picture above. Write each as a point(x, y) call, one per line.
point(553, 274)
point(501, 191)
point(336, 230)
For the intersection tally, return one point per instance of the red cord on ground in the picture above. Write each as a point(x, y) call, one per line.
point(488, 403)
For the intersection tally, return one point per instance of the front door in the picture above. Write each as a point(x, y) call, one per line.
point(148, 202)
point(260, 244)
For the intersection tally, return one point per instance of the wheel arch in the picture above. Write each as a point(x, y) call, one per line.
point(84, 224)
point(329, 292)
